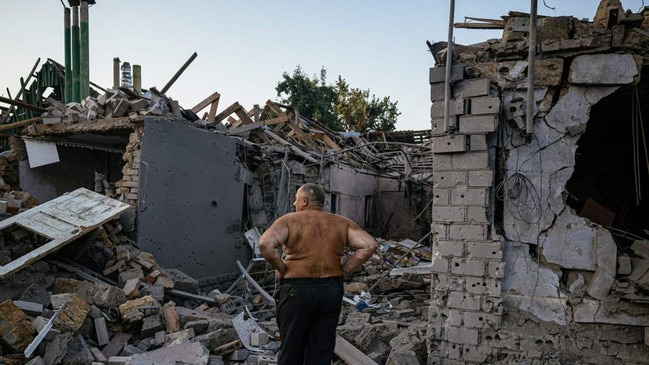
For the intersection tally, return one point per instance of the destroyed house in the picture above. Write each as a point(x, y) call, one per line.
point(540, 192)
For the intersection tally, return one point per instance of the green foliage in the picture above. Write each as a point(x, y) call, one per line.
point(338, 106)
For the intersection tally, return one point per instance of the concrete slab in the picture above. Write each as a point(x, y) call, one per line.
point(603, 69)
point(570, 243)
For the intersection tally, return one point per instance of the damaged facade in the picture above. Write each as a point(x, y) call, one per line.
point(541, 237)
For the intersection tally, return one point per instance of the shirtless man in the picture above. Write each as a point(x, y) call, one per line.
point(311, 275)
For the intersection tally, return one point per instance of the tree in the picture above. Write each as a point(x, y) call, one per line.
point(338, 106)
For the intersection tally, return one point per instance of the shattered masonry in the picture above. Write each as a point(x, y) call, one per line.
point(541, 240)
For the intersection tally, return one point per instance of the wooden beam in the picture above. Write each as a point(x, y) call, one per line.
point(22, 88)
point(213, 107)
point(478, 26)
point(21, 123)
point(282, 119)
point(243, 115)
point(178, 73)
point(226, 112)
point(207, 101)
point(244, 129)
point(35, 108)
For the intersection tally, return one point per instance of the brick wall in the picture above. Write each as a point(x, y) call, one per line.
point(467, 270)
point(128, 186)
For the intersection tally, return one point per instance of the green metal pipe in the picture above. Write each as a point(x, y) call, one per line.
point(67, 91)
point(84, 50)
point(76, 58)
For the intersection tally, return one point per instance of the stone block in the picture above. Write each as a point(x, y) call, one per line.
point(449, 248)
point(486, 286)
point(456, 107)
point(478, 142)
point(441, 197)
point(462, 300)
point(72, 316)
point(450, 144)
point(469, 196)
point(448, 213)
point(259, 339)
point(116, 345)
point(156, 291)
point(437, 126)
point(461, 335)
point(30, 308)
point(152, 325)
point(124, 276)
point(199, 326)
point(101, 331)
point(15, 331)
point(641, 248)
point(183, 281)
point(470, 160)
point(623, 265)
point(131, 288)
point(476, 215)
point(438, 74)
point(437, 92)
point(449, 179)
point(481, 178)
point(130, 310)
point(477, 232)
point(485, 250)
point(603, 69)
point(485, 105)
point(471, 88)
point(478, 124)
point(467, 267)
point(171, 319)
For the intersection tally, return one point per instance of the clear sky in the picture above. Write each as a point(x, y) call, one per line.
point(244, 46)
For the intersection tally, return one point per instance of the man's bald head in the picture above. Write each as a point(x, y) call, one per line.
point(314, 192)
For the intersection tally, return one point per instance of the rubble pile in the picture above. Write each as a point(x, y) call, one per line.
point(114, 304)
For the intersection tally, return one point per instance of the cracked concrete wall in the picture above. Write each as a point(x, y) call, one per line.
point(535, 238)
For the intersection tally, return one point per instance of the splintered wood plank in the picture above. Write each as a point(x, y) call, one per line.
point(207, 101)
point(62, 220)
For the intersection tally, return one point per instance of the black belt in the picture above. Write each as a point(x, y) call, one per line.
point(332, 279)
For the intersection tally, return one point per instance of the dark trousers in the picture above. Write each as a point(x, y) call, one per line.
point(307, 316)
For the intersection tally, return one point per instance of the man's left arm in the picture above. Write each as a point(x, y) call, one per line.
point(270, 243)
point(364, 246)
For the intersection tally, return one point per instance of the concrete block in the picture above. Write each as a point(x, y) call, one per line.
point(478, 142)
point(159, 338)
point(127, 275)
point(130, 350)
point(131, 288)
point(101, 331)
point(470, 160)
point(183, 281)
point(481, 178)
point(476, 354)
point(438, 74)
point(490, 287)
point(99, 357)
point(441, 197)
point(462, 335)
point(476, 215)
point(199, 326)
point(450, 144)
point(267, 360)
point(30, 308)
point(640, 267)
point(478, 124)
point(473, 231)
point(623, 265)
point(448, 213)
point(469, 196)
point(115, 345)
point(641, 248)
point(36, 361)
point(39, 323)
point(481, 320)
point(179, 335)
point(156, 291)
point(495, 269)
point(119, 360)
point(437, 126)
point(151, 325)
point(442, 162)
point(437, 92)
point(456, 107)
point(471, 88)
point(467, 267)
point(448, 179)
point(450, 248)
point(259, 339)
point(485, 105)
point(440, 230)
point(485, 250)
point(440, 265)
point(462, 300)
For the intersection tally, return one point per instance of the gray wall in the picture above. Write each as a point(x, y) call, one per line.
point(191, 199)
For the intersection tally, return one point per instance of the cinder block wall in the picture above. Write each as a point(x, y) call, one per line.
point(468, 266)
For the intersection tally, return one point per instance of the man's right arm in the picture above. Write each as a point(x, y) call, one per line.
point(270, 243)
